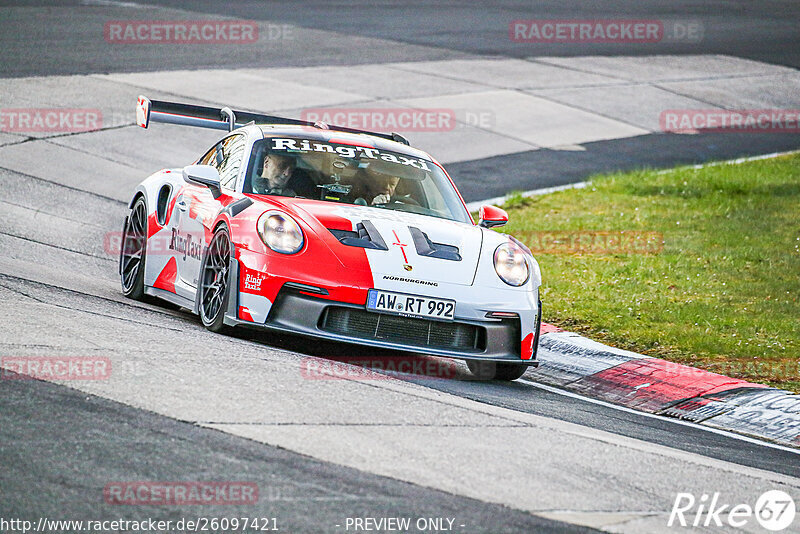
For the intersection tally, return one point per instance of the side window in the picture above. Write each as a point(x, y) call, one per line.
point(231, 156)
point(208, 159)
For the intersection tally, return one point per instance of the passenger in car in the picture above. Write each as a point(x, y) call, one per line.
point(385, 187)
point(375, 188)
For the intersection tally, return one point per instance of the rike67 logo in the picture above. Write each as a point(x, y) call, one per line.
point(774, 510)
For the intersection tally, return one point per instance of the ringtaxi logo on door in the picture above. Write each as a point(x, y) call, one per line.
point(774, 510)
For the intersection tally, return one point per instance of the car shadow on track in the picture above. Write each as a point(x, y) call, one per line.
point(335, 360)
point(328, 360)
point(349, 361)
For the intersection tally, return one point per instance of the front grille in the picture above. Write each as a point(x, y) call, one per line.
point(403, 330)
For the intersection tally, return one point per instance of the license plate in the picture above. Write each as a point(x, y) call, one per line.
point(410, 305)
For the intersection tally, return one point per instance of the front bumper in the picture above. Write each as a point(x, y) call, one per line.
point(296, 312)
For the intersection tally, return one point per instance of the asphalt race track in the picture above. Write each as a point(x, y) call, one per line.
point(183, 404)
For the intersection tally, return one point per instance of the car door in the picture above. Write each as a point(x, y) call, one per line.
point(197, 208)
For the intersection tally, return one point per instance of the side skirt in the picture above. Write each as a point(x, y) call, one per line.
point(170, 297)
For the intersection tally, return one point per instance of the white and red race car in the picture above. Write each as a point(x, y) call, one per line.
point(332, 233)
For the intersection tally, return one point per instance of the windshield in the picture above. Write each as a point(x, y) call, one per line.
point(349, 174)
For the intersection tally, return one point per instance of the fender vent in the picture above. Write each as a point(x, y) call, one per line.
point(161, 204)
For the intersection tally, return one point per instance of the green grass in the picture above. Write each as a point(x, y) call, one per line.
point(722, 293)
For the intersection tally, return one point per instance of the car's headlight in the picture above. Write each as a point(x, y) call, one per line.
point(510, 264)
point(280, 232)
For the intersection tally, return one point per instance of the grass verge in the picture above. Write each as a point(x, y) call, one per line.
point(696, 266)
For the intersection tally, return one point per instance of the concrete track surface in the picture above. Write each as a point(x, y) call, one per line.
point(182, 404)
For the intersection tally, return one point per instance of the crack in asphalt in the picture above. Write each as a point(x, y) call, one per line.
point(30, 240)
point(46, 138)
point(93, 154)
point(59, 184)
point(388, 425)
point(76, 309)
point(37, 211)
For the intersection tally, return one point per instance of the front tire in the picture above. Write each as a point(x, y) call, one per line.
point(483, 370)
point(133, 251)
point(214, 290)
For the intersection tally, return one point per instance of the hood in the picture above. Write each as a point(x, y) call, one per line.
point(396, 244)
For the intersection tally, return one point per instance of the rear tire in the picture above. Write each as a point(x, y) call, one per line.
point(483, 370)
point(133, 251)
point(213, 284)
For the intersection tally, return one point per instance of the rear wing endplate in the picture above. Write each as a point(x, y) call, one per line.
point(148, 111)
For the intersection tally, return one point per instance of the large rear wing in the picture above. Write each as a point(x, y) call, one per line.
point(148, 111)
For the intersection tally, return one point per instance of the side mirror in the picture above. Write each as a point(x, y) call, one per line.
point(204, 175)
point(492, 217)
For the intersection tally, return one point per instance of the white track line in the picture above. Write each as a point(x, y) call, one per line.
point(499, 201)
point(475, 206)
point(625, 409)
point(736, 161)
point(112, 3)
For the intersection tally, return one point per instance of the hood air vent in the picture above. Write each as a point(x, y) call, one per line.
point(426, 247)
point(365, 236)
